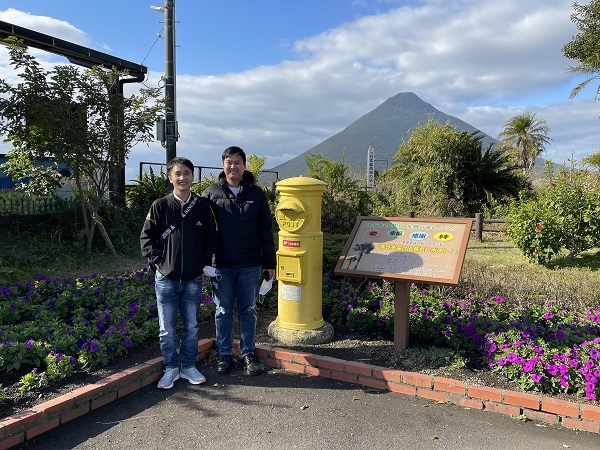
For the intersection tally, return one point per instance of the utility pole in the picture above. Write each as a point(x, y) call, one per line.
point(171, 133)
point(167, 131)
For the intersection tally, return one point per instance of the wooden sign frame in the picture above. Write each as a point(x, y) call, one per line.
point(429, 250)
point(406, 249)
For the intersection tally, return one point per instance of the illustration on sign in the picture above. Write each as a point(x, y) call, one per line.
point(417, 249)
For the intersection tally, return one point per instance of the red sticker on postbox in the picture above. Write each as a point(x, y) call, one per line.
point(287, 243)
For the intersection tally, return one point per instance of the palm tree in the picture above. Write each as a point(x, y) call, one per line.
point(366, 247)
point(489, 174)
point(527, 136)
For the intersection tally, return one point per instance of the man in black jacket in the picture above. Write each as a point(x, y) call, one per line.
point(179, 238)
point(245, 248)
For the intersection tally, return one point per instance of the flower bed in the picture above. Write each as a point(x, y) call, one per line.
point(50, 329)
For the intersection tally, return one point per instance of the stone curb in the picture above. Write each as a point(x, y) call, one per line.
point(51, 414)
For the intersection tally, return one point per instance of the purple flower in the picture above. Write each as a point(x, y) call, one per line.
point(29, 343)
point(511, 357)
point(94, 346)
point(528, 366)
point(537, 377)
point(589, 364)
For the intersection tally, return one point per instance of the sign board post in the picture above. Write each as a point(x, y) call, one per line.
point(370, 168)
point(405, 250)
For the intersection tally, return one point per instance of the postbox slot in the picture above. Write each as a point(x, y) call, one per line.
point(290, 267)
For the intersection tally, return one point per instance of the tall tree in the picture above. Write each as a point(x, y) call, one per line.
point(66, 115)
point(344, 199)
point(442, 171)
point(527, 137)
point(584, 46)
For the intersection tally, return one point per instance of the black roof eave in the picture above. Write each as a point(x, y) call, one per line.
point(76, 54)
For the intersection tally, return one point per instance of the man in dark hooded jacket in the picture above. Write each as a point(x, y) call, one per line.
point(245, 250)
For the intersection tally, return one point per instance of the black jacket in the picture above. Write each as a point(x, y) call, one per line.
point(179, 247)
point(245, 224)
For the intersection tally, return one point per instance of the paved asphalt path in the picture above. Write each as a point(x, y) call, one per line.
point(284, 410)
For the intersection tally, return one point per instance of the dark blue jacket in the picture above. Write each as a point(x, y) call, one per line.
point(245, 224)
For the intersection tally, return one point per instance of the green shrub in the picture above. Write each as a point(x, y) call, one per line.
point(565, 215)
point(333, 246)
point(141, 193)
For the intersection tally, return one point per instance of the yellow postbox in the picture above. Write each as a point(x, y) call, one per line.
point(300, 263)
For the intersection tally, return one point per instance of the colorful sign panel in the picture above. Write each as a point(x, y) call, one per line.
point(429, 250)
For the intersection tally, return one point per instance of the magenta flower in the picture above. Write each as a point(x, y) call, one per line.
point(512, 357)
point(537, 377)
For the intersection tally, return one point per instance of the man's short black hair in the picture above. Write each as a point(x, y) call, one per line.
point(231, 151)
point(180, 160)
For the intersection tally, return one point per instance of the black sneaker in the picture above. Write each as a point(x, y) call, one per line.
point(225, 364)
point(251, 364)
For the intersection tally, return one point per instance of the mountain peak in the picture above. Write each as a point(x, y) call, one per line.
point(383, 128)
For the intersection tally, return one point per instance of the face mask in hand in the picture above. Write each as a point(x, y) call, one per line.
point(265, 287)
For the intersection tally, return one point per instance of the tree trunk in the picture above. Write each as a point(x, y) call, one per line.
point(97, 221)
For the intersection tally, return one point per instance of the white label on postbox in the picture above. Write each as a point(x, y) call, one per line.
point(290, 292)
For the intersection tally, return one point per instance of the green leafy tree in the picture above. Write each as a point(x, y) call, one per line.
point(68, 116)
point(584, 46)
point(255, 164)
point(344, 199)
point(593, 160)
point(442, 171)
point(526, 137)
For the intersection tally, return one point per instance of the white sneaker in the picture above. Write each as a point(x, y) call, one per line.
point(192, 375)
point(171, 376)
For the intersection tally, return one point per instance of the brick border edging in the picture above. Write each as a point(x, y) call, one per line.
point(48, 415)
point(535, 407)
point(19, 427)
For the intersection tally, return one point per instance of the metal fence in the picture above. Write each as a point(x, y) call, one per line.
point(201, 173)
point(29, 206)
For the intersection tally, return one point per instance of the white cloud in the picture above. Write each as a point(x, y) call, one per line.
point(47, 25)
point(478, 60)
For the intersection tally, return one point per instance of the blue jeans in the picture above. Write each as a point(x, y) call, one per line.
point(174, 298)
point(236, 286)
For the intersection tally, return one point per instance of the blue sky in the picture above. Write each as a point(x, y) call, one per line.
point(278, 77)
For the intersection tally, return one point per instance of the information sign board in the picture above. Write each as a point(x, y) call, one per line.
point(429, 250)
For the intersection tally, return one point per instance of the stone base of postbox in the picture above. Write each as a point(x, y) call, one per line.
point(301, 337)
